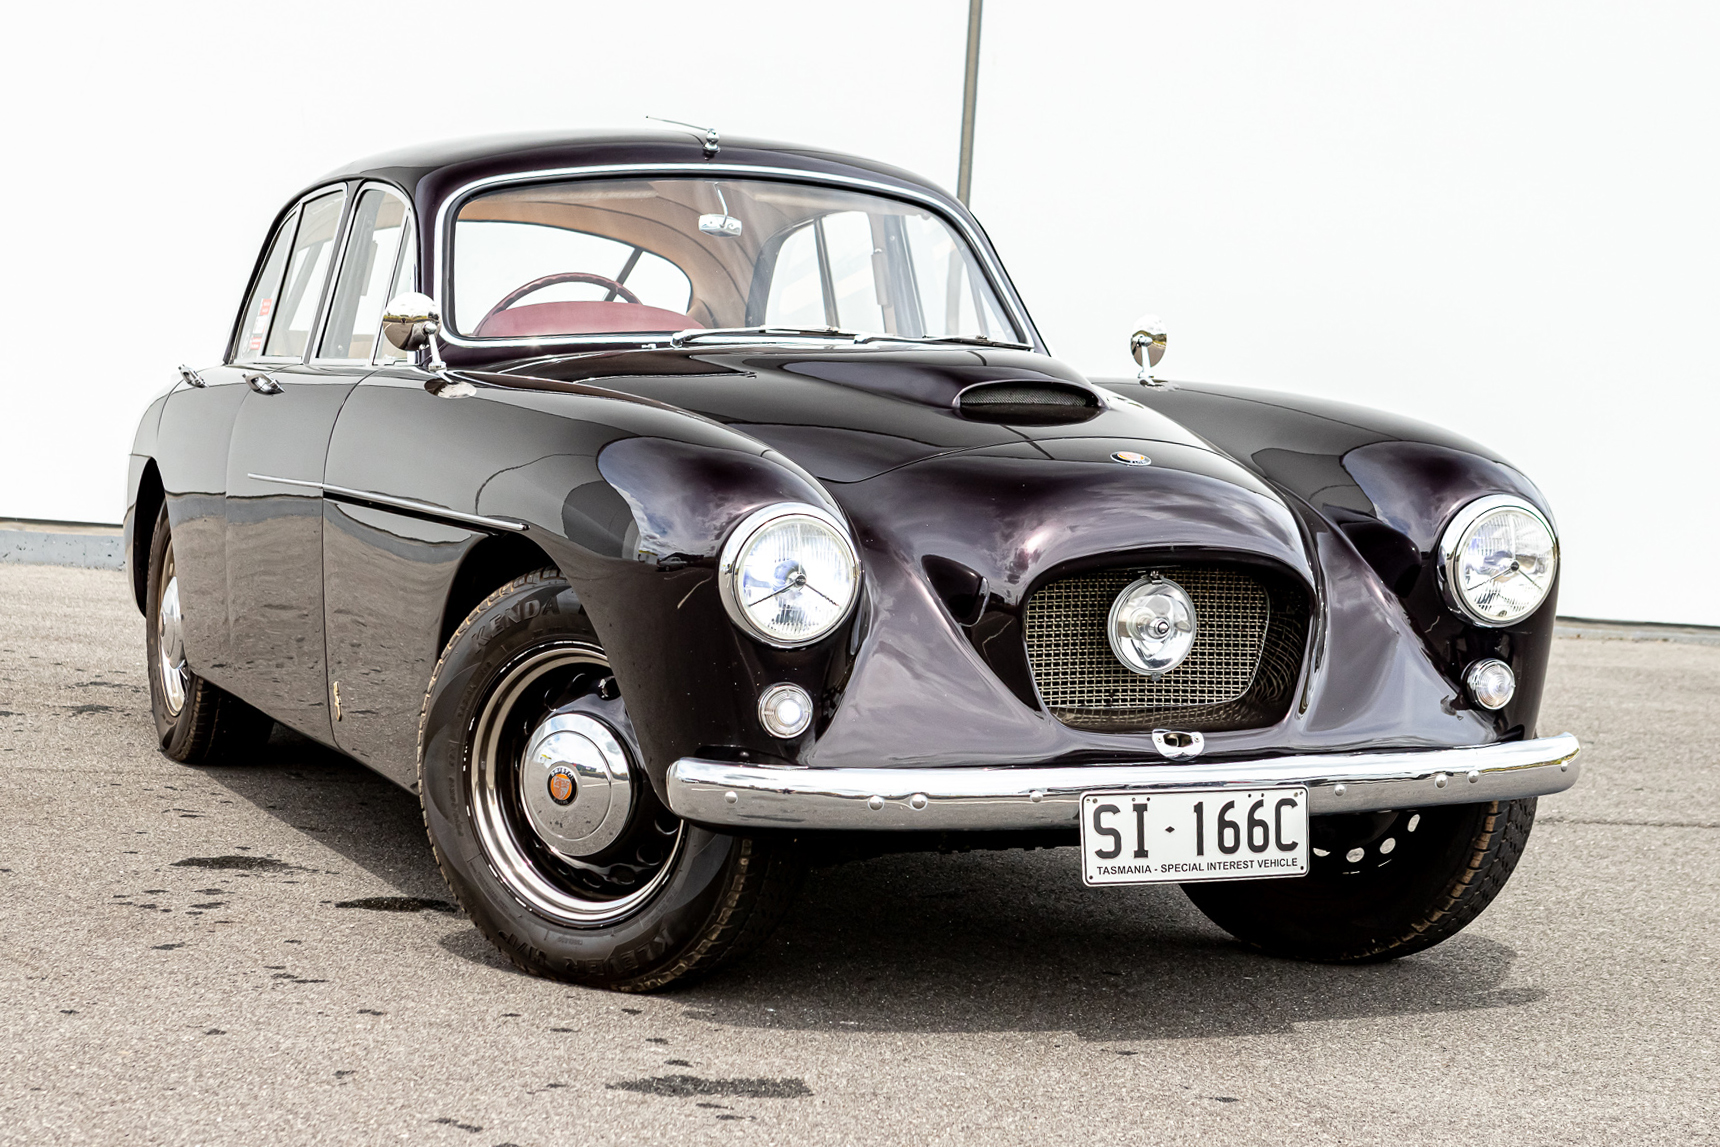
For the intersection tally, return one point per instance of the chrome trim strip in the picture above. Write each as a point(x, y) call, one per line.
point(1035, 797)
point(389, 500)
point(994, 269)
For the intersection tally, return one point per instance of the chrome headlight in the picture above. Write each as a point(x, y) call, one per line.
point(1497, 560)
point(789, 574)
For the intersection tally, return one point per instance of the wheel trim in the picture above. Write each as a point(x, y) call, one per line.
point(499, 832)
point(170, 641)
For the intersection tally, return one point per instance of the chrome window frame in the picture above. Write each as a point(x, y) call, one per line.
point(344, 186)
point(409, 232)
point(444, 286)
point(233, 357)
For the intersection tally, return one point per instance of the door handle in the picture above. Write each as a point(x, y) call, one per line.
point(262, 383)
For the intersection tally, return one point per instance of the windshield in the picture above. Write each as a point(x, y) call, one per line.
point(662, 255)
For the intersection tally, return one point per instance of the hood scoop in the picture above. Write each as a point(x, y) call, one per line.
point(1028, 403)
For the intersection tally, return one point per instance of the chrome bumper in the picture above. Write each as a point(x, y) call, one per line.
point(1033, 797)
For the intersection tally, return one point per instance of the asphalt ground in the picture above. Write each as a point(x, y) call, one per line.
point(318, 989)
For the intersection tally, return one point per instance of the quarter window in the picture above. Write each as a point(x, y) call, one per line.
point(307, 272)
point(260, 307)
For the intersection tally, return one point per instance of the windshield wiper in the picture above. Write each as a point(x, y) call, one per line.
point(958, 340)
point(682, 338)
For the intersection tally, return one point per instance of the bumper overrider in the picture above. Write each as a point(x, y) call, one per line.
point(1049, 797)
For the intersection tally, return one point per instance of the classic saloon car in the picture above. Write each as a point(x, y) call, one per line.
point(664, 510)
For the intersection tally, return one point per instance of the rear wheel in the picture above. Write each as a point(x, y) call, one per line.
point(1380, 885)
point(544, 824)
point(196, 722)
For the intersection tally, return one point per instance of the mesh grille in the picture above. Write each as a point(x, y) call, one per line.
point(1239, 672)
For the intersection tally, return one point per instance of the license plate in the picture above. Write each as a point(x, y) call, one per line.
point(1193, 834)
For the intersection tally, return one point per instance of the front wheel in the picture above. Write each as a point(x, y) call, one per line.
point(1380, 885)
point(544, 824)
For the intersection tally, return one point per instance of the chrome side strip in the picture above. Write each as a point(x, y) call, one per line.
point(1033, 797)
point(410, 505)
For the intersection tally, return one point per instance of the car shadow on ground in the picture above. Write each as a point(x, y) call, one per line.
point(1015, 942)
point(984, 941)
point(340, 804)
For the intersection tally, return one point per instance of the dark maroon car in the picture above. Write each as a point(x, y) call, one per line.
point(667, 511)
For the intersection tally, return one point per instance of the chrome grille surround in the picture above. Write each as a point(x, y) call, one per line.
point(1240, 672)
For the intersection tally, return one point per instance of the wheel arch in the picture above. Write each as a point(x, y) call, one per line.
point(492, 562)
point(140, 528)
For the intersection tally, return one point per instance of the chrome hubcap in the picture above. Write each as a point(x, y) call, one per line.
point(563, 814)
point(575, 786)
point(170, 643)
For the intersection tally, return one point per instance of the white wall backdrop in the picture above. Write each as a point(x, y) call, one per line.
point(1502, 217)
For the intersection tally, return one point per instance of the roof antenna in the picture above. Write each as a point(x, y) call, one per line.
point(712, 142)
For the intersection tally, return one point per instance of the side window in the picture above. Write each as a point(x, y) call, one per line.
point(797, 294)
point(825, 275)
point(260, 307)
point(307, 272)
point(403, 282)
point(367, 273)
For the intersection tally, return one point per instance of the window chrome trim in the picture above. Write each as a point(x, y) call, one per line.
point(317, 319)
point(233, 357)
point(995, 274)
point(390, 502)
point(409, 230)
point(1446, 571)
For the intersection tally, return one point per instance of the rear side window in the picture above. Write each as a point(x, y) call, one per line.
point(367, 275)
point(260, 307)
point(307, 271)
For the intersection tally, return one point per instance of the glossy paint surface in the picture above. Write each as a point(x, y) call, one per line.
point(627, 468)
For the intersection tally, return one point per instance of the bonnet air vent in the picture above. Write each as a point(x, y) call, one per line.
point(1027, 403)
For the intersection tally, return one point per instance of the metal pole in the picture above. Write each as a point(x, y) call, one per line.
point(970, 97)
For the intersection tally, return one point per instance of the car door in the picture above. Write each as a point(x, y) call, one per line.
point(275, 460)
point(191, 450)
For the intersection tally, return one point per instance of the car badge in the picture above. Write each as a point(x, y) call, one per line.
point(1130, 458)
point(561, 785)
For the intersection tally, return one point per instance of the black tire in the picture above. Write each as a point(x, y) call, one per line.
point(195, 722)
point(1388, 884)
point(663, 902)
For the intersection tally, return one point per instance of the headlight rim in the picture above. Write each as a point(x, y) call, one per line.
point(1450, 550)
point(743, 532)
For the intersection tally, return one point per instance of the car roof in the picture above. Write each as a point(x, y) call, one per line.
point(432, 170)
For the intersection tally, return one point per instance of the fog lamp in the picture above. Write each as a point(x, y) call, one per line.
point(1491, 683)
point(785, 710)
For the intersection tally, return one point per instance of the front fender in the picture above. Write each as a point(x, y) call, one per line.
point(636, 527)
point(1390, 486)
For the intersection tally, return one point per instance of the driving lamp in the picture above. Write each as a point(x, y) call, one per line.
point(785, 710)
point(1497, 560)
point(1151, 625)
point(789, 574)
point(1491, 683)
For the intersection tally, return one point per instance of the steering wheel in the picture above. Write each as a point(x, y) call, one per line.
point(556, 279)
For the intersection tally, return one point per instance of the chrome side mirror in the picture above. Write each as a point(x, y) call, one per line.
point(1147, 344)
point(410, 321)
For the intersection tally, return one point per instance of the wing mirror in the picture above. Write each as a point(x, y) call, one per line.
point(410, 320)
point(1147, 344)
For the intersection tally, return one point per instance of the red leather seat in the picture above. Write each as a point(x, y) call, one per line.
point(580, 317)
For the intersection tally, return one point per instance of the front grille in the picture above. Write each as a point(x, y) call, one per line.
point(1240, 673)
